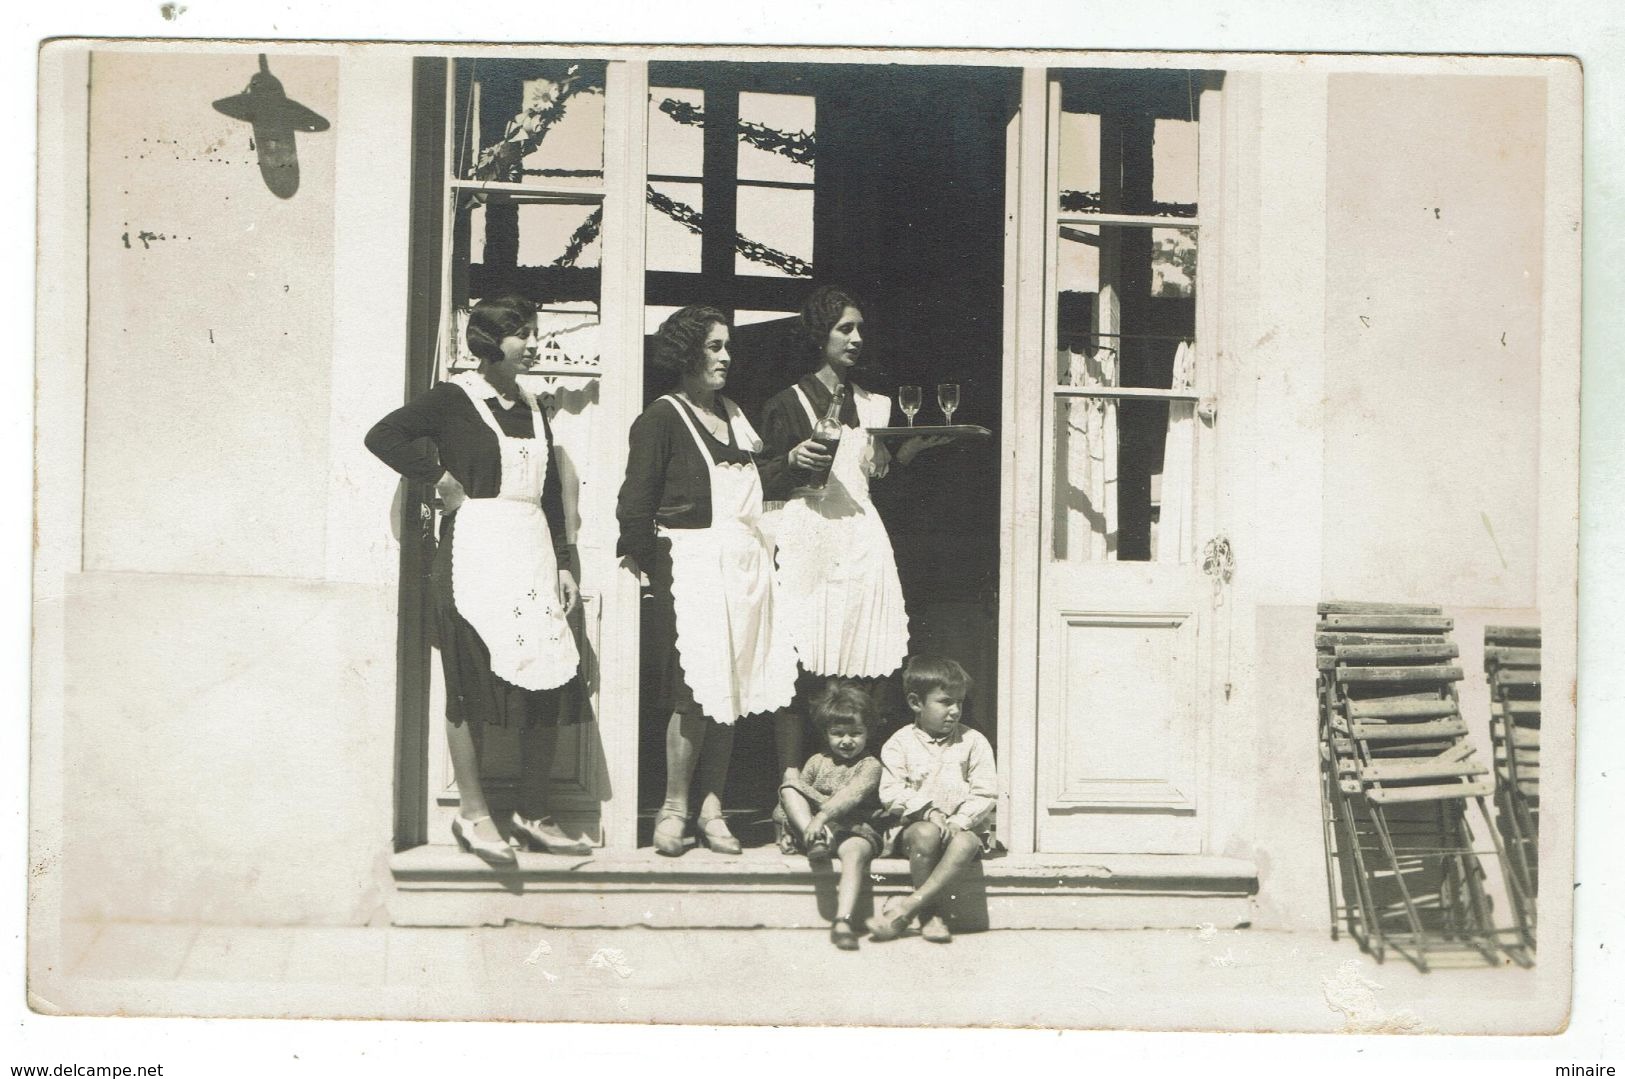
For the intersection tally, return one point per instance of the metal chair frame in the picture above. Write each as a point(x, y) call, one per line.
point(1391, 736)
point(1512, 668)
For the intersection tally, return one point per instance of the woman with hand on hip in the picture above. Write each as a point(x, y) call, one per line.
point(501, 584)
point(689, 511)
point(837, 573)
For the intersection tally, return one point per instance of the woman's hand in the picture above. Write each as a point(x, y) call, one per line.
point(809, 455)
point(569, 592)
point(450, 493)
point(880, 460)
point(919, 444)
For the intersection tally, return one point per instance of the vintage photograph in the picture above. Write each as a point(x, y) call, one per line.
point(797, 536)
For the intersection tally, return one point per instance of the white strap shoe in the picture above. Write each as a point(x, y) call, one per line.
point(497, 852)
point(547, 835)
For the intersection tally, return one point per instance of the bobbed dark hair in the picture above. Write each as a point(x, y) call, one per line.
point(492, 320)
point(843, 702)
point(678, 347)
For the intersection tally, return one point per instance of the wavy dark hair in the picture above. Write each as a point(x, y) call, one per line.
point(819, 315)
point(844, 702)
point(492, 320)
point(678, 347)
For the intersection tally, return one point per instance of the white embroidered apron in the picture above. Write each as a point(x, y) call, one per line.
point(837, 574)
point(504, 573)
point(731, 641)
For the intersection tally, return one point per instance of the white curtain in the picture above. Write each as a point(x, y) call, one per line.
point(1088, 486)
point(1173, 537)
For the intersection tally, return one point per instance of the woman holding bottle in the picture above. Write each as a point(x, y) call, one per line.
point(836, 571)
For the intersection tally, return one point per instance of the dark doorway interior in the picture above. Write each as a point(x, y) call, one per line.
point(908, 212)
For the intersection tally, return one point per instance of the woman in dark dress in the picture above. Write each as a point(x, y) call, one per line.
point(689, 512)
point(501, 584)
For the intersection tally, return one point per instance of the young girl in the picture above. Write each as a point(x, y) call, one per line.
point(833, 802)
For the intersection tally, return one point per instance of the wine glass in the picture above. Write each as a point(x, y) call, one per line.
point(948, 399)
point(908, 399)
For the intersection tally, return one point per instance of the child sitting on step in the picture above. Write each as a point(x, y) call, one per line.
point(940, 780)
point(832, 804)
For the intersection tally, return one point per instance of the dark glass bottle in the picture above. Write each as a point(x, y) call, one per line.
point(827, 436)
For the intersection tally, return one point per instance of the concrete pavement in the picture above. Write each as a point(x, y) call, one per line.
point(1196, 979)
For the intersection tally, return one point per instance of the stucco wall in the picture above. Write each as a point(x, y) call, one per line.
point(1382, 441)
point(1434, 250)
point(229, 629)
point(241, 770)
point(210, 323)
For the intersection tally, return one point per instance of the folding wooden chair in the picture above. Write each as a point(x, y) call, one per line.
point(1512, 665)
point(1397, 775)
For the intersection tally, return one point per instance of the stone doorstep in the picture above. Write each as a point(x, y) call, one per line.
point(440, 885)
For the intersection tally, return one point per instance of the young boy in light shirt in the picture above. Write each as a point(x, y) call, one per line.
point(939, 779)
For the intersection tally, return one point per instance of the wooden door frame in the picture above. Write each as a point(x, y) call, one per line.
point(424, 286)
point(621, 301)
point(1020, 488)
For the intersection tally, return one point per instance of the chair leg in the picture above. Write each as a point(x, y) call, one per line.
point(1380, 820)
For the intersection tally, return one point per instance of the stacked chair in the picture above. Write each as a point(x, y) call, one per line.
point(1397, 774)
point(1512, 665)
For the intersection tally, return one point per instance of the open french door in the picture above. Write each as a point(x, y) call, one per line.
point(1113, 458)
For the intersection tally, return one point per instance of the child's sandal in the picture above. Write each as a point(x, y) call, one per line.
point(842, 936)
point(782, 835)
point(887, 925)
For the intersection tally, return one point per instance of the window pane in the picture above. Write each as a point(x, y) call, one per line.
point(534, 234)
point(1126, 164)
point(676, 131)
point(1079, 165)
point(548, 252)
point(776, 137)
point(530, 121)
point(775, 232)
point(1078, 257)
point(1173, 169)
point(672, 241)
point(654, 315)
point(1088, 361)
point(553, 234)
point(1126, 300)
point(1123, 480)
point(1086, 479)
point(1173, 263)
point(751, 318)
